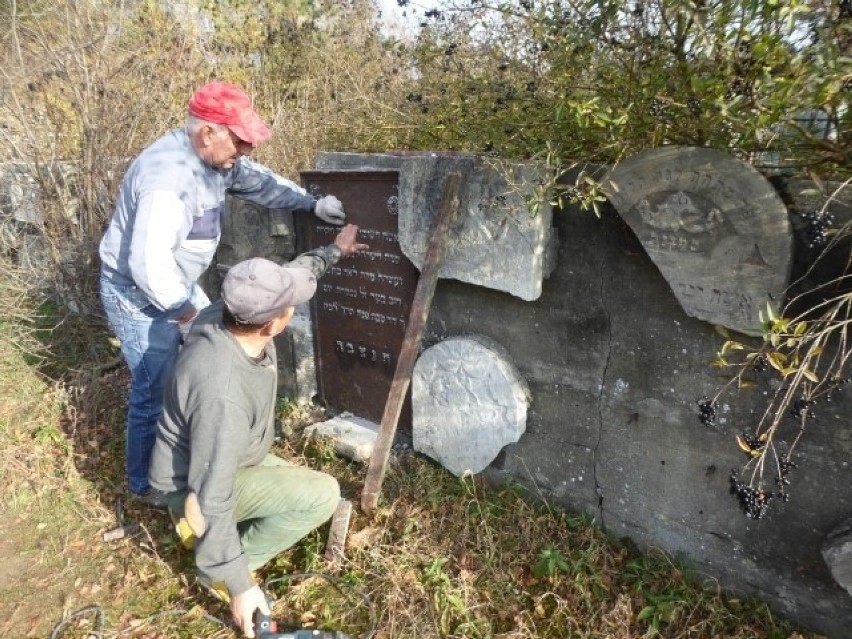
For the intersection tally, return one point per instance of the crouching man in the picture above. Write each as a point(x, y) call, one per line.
point(211, 459)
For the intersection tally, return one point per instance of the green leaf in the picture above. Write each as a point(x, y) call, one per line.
point(646, 613)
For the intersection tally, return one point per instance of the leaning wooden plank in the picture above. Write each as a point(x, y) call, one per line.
point(411, 342)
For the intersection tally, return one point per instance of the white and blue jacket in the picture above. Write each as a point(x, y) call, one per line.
point(168, 218)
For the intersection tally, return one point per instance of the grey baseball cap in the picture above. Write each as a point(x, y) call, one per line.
point(258, 290)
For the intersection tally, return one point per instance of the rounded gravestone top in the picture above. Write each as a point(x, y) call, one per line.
point(468, 402)
point(713, 225)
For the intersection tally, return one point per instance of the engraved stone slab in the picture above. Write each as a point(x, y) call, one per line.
point(468, 402)
point(713, 225)
point(362, 304)
point(496, 242)
point(297, 375)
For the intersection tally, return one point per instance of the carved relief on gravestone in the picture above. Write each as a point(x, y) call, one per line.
point(713, 225)
point(468, 402)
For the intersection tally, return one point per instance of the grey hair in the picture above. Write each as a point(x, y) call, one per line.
point(194, 124)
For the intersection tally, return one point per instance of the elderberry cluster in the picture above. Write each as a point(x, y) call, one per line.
point(760, 364)
point(802, 408)
point(694, 105)
point(753, 501)
point(785, 465)
point(657, 108)
point(707, 411)
point(815, 227)
point(753, 442)
point(836, 386)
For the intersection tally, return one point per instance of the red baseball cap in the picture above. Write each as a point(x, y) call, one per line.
point(223, 103)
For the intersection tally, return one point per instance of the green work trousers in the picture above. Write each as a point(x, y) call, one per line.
point(276, 504)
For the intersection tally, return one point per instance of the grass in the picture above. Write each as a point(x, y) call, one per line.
point(441, 557)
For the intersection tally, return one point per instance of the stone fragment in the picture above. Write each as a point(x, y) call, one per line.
point(468, 402)
point(496, 242)
point(713, 225)
point(20, 195)
point(354, 437)
point(837, 552)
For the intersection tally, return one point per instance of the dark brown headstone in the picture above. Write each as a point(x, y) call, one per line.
point(361, 308)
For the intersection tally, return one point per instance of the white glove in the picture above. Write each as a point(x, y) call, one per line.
point(329, 209)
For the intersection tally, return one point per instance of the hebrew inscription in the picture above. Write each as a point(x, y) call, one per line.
point(361, 308)
point(713, 225)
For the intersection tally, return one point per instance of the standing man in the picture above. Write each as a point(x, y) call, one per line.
point(211, 458)
point(163, 236)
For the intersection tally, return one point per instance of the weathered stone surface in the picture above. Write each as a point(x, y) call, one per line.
point(713, 225)
point(297, 375)
point(496, 242)
point(837, 552)
point(19, 195)
point(469, 401)
point(615, 366)
point(354, 437)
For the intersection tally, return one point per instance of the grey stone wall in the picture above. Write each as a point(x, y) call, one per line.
point(615, 367)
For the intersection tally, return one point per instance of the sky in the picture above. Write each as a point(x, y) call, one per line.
point(393, 16)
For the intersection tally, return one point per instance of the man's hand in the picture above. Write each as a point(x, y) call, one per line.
point(329, 209)
point(347, 241)
point(243, 606)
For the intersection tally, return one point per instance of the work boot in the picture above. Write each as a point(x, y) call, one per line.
point(152, 497)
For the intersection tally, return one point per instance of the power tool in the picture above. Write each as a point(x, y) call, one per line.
point(266, 628)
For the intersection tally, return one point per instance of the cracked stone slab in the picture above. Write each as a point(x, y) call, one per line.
point(496, 241)
point(713, 225)
point(468, 402)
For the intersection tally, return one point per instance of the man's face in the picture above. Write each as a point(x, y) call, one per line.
point(221, 148)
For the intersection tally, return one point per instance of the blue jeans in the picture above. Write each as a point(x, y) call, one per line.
point(150, 339)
